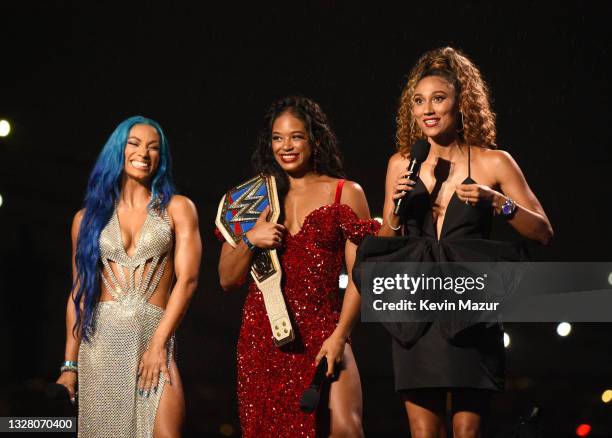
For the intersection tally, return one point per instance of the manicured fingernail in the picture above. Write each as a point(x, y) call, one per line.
point(140, 392)
point(147, 394)
point(155, 389)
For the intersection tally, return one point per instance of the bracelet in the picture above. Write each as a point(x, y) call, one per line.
point(69, 365)
point(399, 227)
point(248, 243)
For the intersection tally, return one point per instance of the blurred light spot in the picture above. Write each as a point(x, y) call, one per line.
point(583, 430)
point(379, 220)
point(5, 128)
point(606, 397)
point(343, 281)
point(226, 429)
point(564, 328)
point(506, 340)
point(610, 278)
point(0, 200)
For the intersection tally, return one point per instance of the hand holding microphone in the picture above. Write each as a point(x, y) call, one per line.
point(405, 182)
point(310, 398)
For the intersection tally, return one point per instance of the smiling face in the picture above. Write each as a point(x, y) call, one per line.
point(291, 144)
point(142, 153)
point(434, 107)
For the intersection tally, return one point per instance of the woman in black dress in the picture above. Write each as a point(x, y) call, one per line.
point(447, 217)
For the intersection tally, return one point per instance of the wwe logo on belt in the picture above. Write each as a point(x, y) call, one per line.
point(247, 203)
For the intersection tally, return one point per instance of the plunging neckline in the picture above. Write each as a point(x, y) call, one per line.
point(467, 180)
point(138, 239)
point(306, 218)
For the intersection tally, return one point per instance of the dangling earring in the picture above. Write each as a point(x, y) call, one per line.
point(314, 164)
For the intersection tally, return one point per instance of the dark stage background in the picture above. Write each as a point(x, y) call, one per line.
point(70, 74)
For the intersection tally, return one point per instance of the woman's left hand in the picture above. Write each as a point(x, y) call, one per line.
point(474, 194)
point(333, 350)
point(152, 364)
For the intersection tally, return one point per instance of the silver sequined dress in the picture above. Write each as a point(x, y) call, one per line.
point(109, 404)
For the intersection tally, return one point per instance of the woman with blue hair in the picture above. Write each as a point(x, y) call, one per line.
point(136, 258)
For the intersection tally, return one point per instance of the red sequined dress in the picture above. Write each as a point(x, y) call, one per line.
point(271, 380)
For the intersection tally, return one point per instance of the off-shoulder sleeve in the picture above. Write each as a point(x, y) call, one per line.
point(355, 229)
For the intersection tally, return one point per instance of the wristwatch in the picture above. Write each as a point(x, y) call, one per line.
point(508, 208)
point(248, 243)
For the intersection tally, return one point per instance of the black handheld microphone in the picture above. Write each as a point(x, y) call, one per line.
point(418, 154)
point(55, 391)
point(310, 398)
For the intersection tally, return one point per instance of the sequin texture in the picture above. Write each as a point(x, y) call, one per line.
point(271, 380)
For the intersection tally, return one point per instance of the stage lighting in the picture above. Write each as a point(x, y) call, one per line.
point(0, 200)
point(506, 340)
point(583, 430)
point(606, 397)
point(379, 220)
point(343, 281)
point(5, 128)
point(564, 328)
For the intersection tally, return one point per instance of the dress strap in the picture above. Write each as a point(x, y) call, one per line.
point(469, 164)
point(339, 191)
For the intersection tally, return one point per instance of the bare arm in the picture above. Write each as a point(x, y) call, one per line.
point(73, 341)
point(529, 219)
point(187, 256)
point(333, 347)
point(234, 263)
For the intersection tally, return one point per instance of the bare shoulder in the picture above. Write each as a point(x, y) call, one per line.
point(77, 219)
point(354, 196)
point(398, 163)
point(181, 207)
point(352, 189)
point(494, 158)
point(501, 163)
point(397, 160)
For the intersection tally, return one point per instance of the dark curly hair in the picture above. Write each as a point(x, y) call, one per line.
point(322, 140)
point(472, 92)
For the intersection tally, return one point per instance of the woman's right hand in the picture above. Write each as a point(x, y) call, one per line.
point(402, 185)
point(69, 380)
point(264, 234)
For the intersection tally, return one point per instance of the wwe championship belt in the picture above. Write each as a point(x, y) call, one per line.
point(238, 211)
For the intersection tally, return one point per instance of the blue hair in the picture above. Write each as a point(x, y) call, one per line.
point(103, 190)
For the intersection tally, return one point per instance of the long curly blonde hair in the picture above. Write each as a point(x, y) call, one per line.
point(476, 120)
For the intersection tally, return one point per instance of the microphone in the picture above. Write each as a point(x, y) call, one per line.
point(310, 398)
point(418, 154)
point(55, 391)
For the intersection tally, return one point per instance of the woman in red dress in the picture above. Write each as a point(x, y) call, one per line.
point(323, 219)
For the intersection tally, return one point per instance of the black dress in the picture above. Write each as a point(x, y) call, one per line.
point(443, 354)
